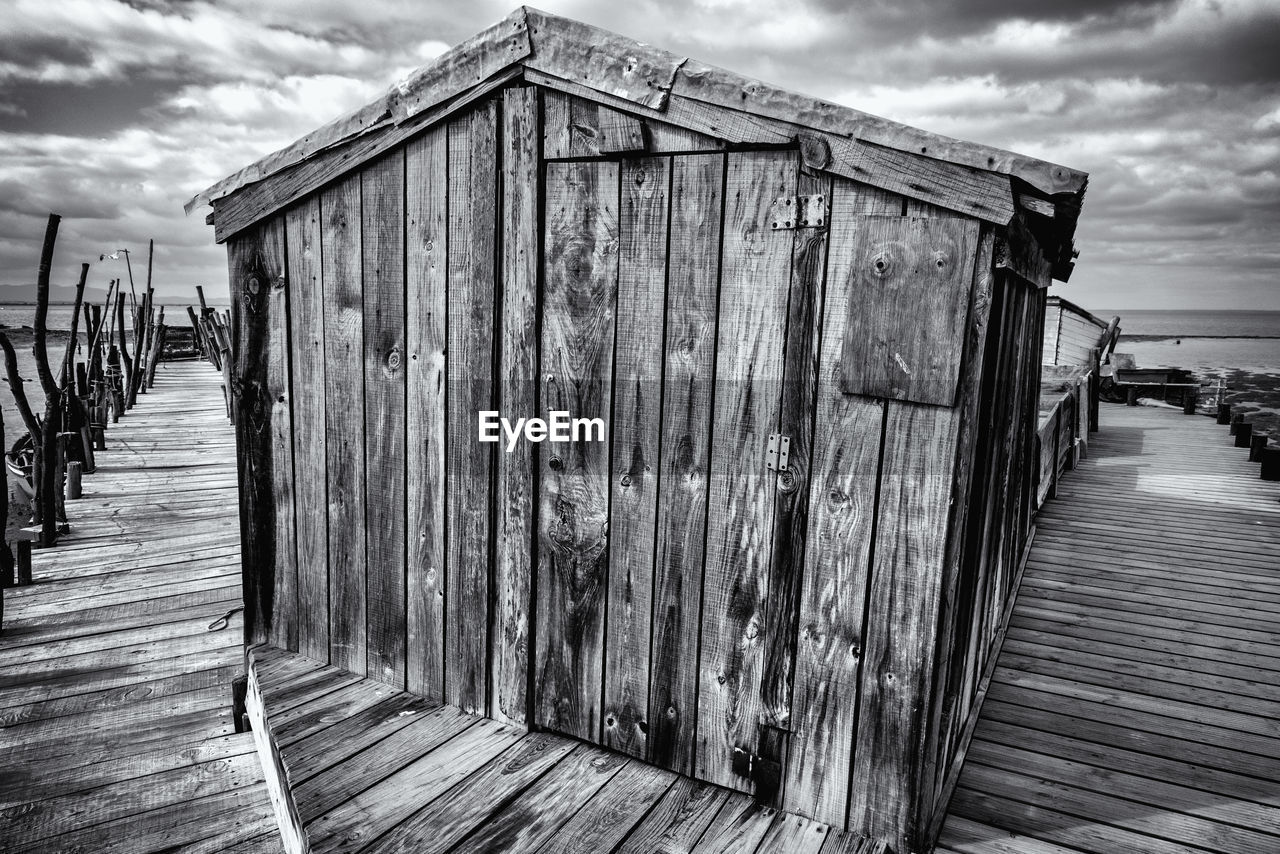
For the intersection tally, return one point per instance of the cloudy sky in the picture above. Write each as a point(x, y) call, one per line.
point(114, 113)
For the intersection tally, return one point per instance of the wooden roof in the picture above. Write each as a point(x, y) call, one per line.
point(977, 180)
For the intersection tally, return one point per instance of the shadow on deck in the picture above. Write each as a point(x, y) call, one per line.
point(1135, 706)
point(115, 697)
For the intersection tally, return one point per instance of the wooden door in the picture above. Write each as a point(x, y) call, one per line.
point(669, 555)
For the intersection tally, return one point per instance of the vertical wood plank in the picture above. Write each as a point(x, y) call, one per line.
point(637, 411)
point(426, 253)
point(518, 396)
point(306, 321)
point(755, 273)
point(581, 281)
point(556, 118)
point(469, 464)
point(845, 481)
point(791, 516)
point(951, 703)
point(382, 208)
point(344, 422)
point(280, 397)
point(906, 577)
point(688, 370)
point(256, 265)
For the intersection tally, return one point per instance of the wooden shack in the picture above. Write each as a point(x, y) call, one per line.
point(814, 337)
point(1072, 334)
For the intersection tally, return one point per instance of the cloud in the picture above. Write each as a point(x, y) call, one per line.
point(1173, 106)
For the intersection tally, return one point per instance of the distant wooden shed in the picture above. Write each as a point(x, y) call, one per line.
point(814, 336)
point(1074, 336)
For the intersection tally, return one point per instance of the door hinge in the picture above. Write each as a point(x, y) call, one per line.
point(790, 212)
point(778, 453)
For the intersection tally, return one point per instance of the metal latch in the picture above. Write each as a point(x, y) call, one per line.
point(791, 212)
point(778, 453)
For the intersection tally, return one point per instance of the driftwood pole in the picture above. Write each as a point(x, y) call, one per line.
point(197, 333)
point(6, 556)
point(48, 466)
point(126, 369)
point(68, 360)
point(142, 320)
point(18, 389)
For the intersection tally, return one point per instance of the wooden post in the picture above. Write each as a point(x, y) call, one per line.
point(239, 712)
point(1224, 413)
point(197, 334)
point(1270, 459)
point(157, 347)
point(1095, 386)
point(1131, 396)
point(1244, 434)
point(226, 384)
point(1236, 421)
point(24, 562)
point(1189, 396)
point(1256, 446)
point(48, 490)
point(126, 363)
point(86, 445)
point(73, 479)
point(6, 556)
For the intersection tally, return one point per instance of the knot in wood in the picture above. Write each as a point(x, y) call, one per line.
point(721, 678)
point(555, 463)
point(252, 286)
point(753, 629)
point(882, 264)
point(393, 360)
point(786, 481)
point(625, 480)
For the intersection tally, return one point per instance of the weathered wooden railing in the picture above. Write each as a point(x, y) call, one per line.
point(1063, 435)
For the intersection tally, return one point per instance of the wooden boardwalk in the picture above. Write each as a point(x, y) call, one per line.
point(115, 696)
point(1135, 706)
point(378, 771)
point(1136, 703)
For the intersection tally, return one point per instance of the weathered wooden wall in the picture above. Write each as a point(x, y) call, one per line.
point(663, 592)
point(1069, 334)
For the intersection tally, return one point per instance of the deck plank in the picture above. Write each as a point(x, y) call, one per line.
point(116, 732)
point(1134, 704)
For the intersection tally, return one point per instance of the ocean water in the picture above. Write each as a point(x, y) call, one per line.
point(1240, 349)
point(1208, 342)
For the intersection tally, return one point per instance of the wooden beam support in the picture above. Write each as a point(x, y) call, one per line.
point(1018, 252)
point(969, 191)
point(256, 266)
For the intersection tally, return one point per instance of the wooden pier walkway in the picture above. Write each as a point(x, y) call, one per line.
point(115, 695)
point(1135, 706)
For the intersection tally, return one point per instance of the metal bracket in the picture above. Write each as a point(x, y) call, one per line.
point(778, 453)
point(766, 774)
point(791, 212)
